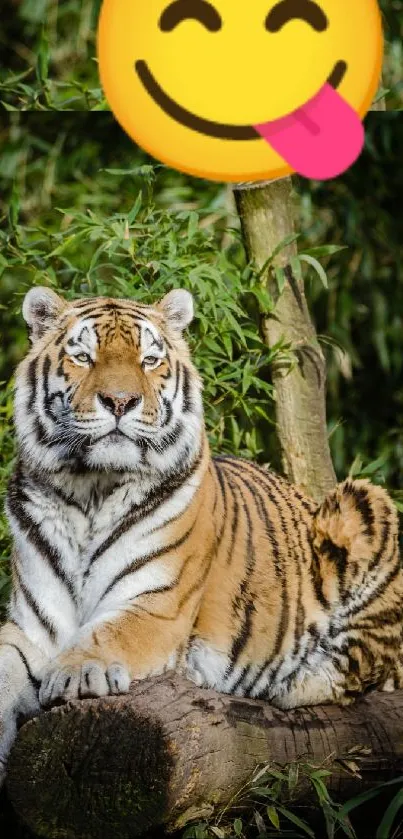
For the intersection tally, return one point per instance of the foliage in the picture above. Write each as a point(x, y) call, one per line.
point(125, 226)
point(142, 251)
point(44, 165)
point(48, 55)
point(269, 806)
point(141, 229)
point(362, 314)
point(392, 76)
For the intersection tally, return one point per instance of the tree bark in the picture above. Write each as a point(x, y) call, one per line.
point(170, 752)
point(266, 218)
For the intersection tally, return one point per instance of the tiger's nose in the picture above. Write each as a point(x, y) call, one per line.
point(119, 403)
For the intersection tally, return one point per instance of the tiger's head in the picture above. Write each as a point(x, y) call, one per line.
point(108, 384)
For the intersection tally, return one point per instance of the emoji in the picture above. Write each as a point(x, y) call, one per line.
point(243, 90)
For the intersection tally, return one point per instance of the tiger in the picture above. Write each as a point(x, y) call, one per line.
point(135, 552)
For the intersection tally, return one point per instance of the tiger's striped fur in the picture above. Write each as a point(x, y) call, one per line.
point(135, 551)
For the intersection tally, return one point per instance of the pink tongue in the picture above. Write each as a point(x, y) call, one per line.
point(320, 140)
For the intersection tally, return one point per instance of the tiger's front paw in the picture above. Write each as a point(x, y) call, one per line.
point(63, 682)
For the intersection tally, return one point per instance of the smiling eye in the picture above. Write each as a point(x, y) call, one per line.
point(83, 357)
point(288, 10)
point(182, 10)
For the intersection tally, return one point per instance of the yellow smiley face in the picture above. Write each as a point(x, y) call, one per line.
point(242, 91)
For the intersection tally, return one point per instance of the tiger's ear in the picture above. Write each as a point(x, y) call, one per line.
point(41, 307)
point(177, 308)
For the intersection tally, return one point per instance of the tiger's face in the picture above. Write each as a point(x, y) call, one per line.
point(108, 384)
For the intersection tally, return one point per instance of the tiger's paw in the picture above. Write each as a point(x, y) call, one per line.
point(91, 679)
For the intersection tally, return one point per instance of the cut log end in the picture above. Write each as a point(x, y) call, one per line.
point(169, 751)
point(88, 765)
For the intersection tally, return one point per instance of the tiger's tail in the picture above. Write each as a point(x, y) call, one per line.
point(355, 531)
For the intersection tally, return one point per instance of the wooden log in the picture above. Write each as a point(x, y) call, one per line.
point(169, 751)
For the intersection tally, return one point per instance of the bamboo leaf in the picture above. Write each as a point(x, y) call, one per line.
point(288, 814)
point(304, 257)
point(42, 58)
point(389, 817)
point(273, 816)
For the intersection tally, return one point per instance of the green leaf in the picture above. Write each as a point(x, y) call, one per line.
point(263, 297)
point(288, 814)
point(226, 339)
point(324, 250)
point(281, 279)
point(375, 465)
point(388, 819)
point(8, 107)
point(14, 207)
point(358, 800)
point(304, 257)
point(356, 466)
point(238, 826)
point(288, 240)
point(321, 773)
point(320, 789)
point(135, 209)
point(69, 240)
point(193, 225)
point(296, 268)
point(273, 816)
point(42, 59)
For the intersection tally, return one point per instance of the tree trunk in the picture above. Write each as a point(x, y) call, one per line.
point(170, 752)
point(266, 219)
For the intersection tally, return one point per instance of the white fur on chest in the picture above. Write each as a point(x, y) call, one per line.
point(98, 539)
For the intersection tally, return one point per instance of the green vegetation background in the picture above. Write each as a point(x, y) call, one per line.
point(85, 211)
point(47, 50)
point(82, 209)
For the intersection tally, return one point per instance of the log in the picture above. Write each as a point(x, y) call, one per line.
point(169, 752)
